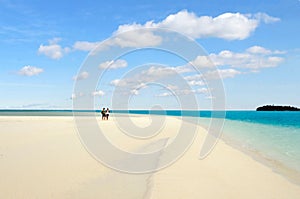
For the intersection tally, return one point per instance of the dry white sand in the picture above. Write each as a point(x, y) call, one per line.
point(42, 157)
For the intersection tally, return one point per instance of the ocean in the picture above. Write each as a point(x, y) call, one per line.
point(271, 136)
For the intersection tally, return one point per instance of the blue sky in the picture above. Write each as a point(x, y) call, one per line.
point(254, 44)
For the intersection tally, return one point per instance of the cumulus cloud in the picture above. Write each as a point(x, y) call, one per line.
point(85, 45)
point(196, 83)
point(138, 38)
point(229, 26)
point(30, 71)
point(115, 82)
point(202, 61)
point(222, 73)
point(255, 57)
point(134, 91)
point(258, 50)
point(81, 76)
point(232, 64)
point(98, 93)
point(164, 94)
point(135, 83)
point(120, 63)
point(53, 50)
point(184, 92)
point(138, 81)
point(159, 72)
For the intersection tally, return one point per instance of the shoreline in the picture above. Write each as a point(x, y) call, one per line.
point(276, 166)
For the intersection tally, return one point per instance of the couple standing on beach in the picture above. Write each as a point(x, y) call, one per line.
point(105, 113)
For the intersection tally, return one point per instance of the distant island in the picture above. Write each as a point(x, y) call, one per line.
point(277, 108)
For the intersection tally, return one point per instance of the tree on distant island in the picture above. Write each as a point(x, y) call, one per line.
point(277, 108)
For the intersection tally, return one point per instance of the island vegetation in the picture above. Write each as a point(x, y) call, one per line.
point(277, 108)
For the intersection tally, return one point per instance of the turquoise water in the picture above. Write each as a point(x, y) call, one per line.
point(273, 135)
point(276, 142)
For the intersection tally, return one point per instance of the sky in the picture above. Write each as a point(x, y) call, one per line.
point(254, 46)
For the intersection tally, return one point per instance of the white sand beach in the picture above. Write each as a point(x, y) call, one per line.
point(43, 157)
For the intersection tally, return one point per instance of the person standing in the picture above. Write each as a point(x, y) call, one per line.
point(107, 113)
point(103, 113)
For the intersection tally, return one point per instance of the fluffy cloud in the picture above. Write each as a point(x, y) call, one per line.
point(184, 92)
point(138, 81)
point(138, 38)
point(81, 76)
point(158, 72)
point(98, 93)
point(229, 26)
point(53, 50)
point(165, 94)
point(30, 71)
point(258, 50)
point(222, 73)
point(115, 82)
point(196, 83)
point(255, 57)
point(202, 61)
point(120, 63)
point(85, 45)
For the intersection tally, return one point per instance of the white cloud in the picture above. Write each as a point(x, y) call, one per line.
point(165, 94)
point(255, 57)
point(134, 91)
point(184, 92)
point(222, 73)
point(115, 82)
point(30, 71)
point(138, 38)
point(76, 96)
point(159, 72)
point(98, 93)
point(229, 26)
point(197, 77)
point(183, 69)
point(202, 62)
point(53, 50)
point(196, 83)
point(81, 76)
point(120, 63)
point(258, 50)
point(202, 90)
point(139, 81)
point(85, 45)
point(266, 18)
